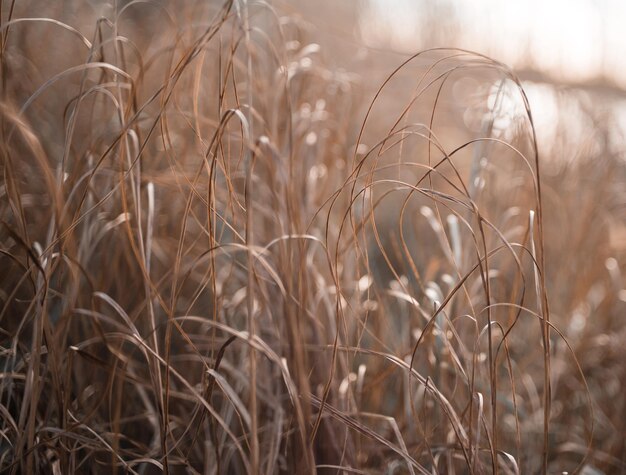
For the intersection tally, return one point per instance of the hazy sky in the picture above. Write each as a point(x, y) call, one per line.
point(572, 40)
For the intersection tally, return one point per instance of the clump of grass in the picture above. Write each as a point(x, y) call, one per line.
point(222, 255)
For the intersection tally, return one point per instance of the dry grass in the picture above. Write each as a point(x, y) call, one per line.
point(220, 254)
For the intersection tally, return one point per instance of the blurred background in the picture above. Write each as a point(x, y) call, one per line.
point(577, 42)
point(569, 54)
point(572, 48)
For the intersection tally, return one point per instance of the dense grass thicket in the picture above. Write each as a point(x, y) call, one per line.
point(223, 251)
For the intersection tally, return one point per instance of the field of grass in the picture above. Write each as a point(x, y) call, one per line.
point(227, 247)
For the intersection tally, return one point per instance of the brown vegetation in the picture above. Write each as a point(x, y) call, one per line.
point(222, 253)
